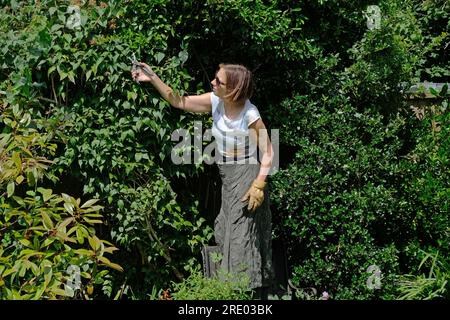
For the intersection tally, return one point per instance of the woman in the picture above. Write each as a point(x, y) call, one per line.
point(243, 227)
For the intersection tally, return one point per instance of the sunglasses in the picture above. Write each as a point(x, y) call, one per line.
point(218, 81)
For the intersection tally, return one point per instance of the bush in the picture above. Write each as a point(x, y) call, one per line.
point(221, 287)
point(338, 186)
point(356, 196)
point(116, 132)
point(355, 191)
point(49, 248)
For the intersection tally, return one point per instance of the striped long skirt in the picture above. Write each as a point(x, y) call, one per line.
point(244, 238)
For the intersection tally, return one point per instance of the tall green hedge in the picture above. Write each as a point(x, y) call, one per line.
point(323, 78)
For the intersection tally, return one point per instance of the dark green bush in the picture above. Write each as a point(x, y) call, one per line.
point(356, 196)
point(364, 182)
point(341, 182)
point(367, 183)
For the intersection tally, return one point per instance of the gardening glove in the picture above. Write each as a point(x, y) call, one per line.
point(255, 195)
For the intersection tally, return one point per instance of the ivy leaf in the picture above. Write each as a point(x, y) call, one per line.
point(52, 10)
point(131, 95)
point(71, 77)
point(46, 193)
point(159, 56)
point(51, 69)
point(183, 55)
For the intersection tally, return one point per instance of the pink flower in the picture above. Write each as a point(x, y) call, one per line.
point(325, 295)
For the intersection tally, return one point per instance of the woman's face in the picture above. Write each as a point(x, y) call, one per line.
point(219, 83)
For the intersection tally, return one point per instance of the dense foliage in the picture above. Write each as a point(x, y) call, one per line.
point(363, 181)
point(48, 241)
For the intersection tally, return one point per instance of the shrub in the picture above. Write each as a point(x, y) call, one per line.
point(49, 248)
point(356, 196)
point(116, 132)
point(339, 184)
point(221, 287)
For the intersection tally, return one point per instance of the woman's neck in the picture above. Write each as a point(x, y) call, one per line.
point(233, 109)
point(233, 106)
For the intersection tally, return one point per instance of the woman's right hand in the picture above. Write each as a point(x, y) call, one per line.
point(140, 76)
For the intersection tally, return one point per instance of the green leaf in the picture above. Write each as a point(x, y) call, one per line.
point(48, 273)
point(183, 55)
point(39, 292)
point(89, 203)
point(71, 77)
point(9, 271)
point(80, 235)
point(10, 188)
point(444, 90)
point(69, 207)
point(31, 180)
point(63, 236)
point(85, 252)
point(59, 292)
point(20, 179)
point(25, 242)
point(46, 193)
point(95, 243)
point(159, 56)
point(48, 223)
point(66, 222)
point(17, 161)
point(111, 249)
point(93, 221)
point(48, 242)
point(115, 266)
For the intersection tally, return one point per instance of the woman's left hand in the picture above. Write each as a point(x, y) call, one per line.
point(255, 195)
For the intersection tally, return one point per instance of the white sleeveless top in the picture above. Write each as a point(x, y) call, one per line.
point(232, 135)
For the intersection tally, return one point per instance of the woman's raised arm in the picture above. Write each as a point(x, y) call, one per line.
point(195, 103)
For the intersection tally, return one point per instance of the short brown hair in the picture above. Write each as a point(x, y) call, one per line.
point(239, 80)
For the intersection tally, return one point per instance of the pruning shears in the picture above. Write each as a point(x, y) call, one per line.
point(137, 66)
